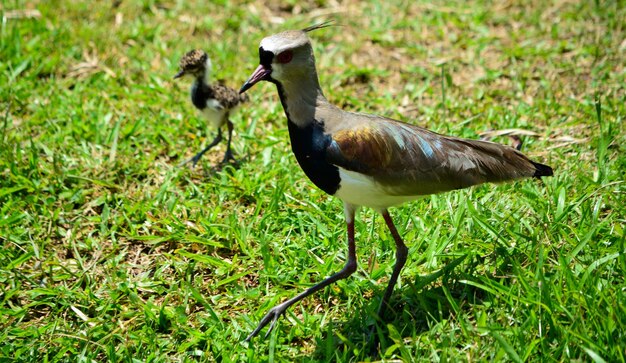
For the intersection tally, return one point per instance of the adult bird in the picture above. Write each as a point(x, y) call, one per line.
point(368, 160)
point(214, 101)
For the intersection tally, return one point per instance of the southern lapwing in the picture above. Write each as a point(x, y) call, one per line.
point(216, 102)
point(368, 160)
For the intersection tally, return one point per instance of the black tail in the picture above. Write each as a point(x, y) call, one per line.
point(542, 170)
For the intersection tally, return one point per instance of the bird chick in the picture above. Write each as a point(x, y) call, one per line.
point(215, 102)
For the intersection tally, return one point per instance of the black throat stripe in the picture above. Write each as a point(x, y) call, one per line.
point(200, 94)
point(309, 145)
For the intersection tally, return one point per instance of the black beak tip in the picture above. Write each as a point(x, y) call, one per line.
point(260, 74)
point(179, 74)
point(246, 86)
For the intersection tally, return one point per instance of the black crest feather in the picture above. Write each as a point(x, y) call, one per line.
point(325, 24)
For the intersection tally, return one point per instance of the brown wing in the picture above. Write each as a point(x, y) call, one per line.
point(409, 160)
point(228, 96)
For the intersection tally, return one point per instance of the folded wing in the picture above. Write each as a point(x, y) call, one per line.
point(409, 160)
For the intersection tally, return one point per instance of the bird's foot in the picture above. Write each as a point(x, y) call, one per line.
point(272, 316)
point(194, 160)
point(229, 158)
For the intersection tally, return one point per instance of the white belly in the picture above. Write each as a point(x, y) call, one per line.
point(214, 113)
point(361, 190)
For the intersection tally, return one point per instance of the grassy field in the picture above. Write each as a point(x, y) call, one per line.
point(112, 252)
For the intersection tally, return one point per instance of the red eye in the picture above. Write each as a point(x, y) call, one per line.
point(285, 57)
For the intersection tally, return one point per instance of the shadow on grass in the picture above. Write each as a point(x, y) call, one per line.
point(413, 311)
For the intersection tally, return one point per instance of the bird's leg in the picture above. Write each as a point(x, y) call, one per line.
point(349, 268)
point(401, 254)
point(228, 156)
point(194, 160)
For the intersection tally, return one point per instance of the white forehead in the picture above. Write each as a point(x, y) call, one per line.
point(286, 40)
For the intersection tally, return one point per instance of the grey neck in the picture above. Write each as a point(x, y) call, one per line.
point(301, 98)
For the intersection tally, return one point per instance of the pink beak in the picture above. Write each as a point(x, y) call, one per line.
point(260, 74)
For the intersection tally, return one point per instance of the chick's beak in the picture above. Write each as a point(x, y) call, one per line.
point(179, 74)
point(260, 74)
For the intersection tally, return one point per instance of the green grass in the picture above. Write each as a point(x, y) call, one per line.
point(111, 252)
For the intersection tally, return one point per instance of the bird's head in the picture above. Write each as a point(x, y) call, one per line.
point(195, 63)
point(284, 57)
